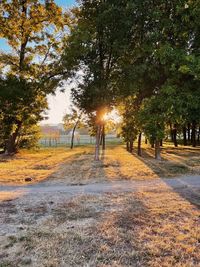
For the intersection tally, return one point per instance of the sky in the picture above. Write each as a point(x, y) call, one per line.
point(60, 102)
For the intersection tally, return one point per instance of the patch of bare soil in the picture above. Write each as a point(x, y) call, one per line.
point(155, 227)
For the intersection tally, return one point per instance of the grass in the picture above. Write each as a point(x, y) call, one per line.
point(149, 228)
point(155, 226)
point(35, 165)
point(77, 166)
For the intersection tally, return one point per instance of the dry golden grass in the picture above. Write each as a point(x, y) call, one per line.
point(175, 161)
point(117, 164)
point(37, 165)
point(157, 227)
point(78, 167)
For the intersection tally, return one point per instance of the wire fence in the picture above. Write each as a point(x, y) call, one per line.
point(65, 140)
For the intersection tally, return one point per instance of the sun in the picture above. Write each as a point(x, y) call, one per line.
point(106, 116)
point(113, 116)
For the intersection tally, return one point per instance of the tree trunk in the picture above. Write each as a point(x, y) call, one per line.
point(152, 142)
point(175, 135)
point(157, 149)
point(74, 129)
point(184, 136)
point(198, 137)
point(11, 147)
point(127, 146)
point(146, 141)
point(188, 131)
point(161, 142)
point(171, 133)
point(103, 141)
point(193, 134)
point(72, 138)
point(139, 151)
point(131, 146)
point(98, 136)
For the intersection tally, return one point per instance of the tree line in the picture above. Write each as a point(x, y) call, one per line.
point(141, 57)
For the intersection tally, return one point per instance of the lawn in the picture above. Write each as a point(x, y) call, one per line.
point(63, 165)
point(152, 226)
point(36, 165)
point(148, 228)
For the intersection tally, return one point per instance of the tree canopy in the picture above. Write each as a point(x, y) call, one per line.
point(30, 68)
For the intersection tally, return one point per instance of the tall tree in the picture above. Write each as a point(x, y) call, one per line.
point(94, 47)
point(30, 68)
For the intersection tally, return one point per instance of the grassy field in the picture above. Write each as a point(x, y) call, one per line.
point(37, 165)
point(77, 166)
point(156, 226)
point(150, 228)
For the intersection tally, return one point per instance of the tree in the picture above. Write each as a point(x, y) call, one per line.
point(93, 48)
point(153, 121)
point(73, 119)
point(31, 68)
point(129, 126)
point(19, 105)
point(162, 65)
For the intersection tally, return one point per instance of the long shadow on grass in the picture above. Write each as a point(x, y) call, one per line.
point(184, 186)
point(114, 240)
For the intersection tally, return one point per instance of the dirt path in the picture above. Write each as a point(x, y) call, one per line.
point(190, 182)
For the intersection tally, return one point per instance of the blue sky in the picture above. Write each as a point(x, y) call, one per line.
point(58, 104)
point(65, 3)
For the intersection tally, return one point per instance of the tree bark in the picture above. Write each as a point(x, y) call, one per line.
point(175, 135)
point(98, 136)
point(188, 131)
point(184, 136)
point(131, 146)
point(152, 142)
point(171, 133)
point(157, 149)
point(198, 136)
point(193, 134)
point(161, 142)
point(74, 129)
point(103, 141)
point(72, 138)
point(11, 147)
point(139, 151)
point(127, 146)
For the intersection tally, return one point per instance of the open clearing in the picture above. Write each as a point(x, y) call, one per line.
point(77, 166)
point(125, 215)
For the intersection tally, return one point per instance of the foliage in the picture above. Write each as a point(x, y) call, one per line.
point(30, 68)
point(29, 136)
point(73, 117)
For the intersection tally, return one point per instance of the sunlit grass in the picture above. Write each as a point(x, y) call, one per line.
point(36, 165)
point(78, 166)
point(154, 226)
